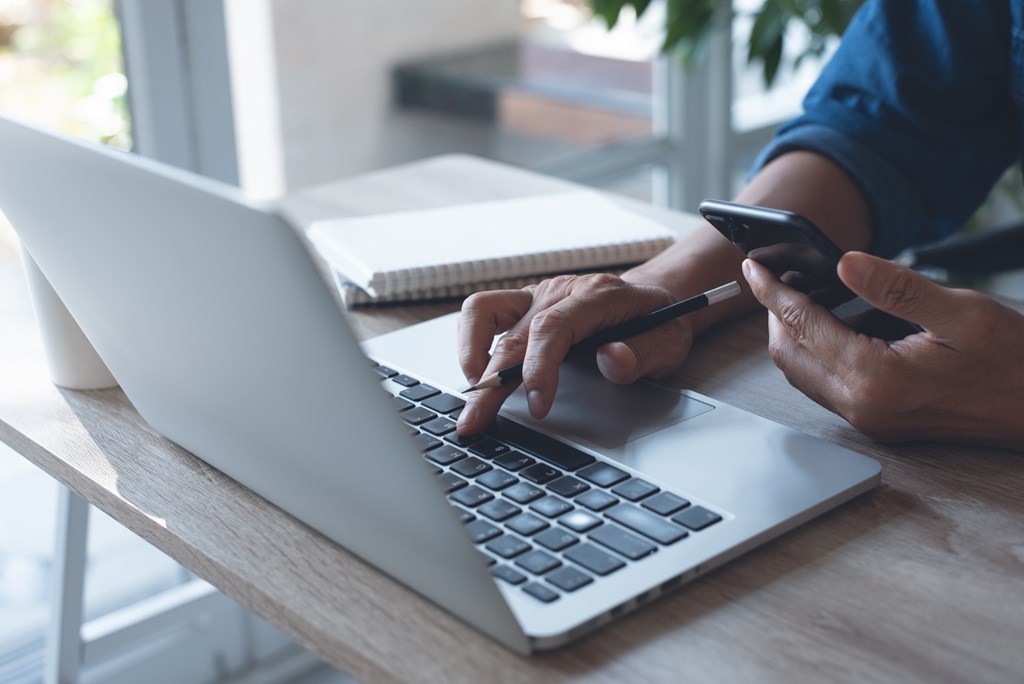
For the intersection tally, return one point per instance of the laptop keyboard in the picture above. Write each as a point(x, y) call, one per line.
point(548, 518)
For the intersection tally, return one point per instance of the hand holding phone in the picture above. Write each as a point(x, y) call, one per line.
point(804, 258)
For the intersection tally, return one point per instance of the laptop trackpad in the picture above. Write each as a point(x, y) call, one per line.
point(594, 410)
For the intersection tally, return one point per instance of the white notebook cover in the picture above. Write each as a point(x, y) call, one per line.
point(408, 253)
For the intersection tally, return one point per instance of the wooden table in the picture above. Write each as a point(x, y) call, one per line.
point(920, 580)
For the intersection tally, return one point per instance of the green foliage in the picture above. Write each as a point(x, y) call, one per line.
point(689, 24)
point(63, 59)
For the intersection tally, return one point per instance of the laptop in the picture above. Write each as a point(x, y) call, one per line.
point(212, 315)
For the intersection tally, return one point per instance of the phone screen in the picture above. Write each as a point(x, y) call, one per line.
point(804, 258)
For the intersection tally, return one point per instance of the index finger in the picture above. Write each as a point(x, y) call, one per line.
point(808, 323)
point(566, 322)
point(484, 315)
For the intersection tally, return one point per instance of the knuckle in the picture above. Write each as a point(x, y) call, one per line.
point(558, 287)
point(548, 322)
point(900, 290)
point(474, 302)
point(604, 281)
point(510, 344)
point(793, 318)
point(533, 375)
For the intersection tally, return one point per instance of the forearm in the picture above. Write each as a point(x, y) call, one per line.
point(802, 182)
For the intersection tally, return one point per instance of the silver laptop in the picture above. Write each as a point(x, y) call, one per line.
point(214, 319)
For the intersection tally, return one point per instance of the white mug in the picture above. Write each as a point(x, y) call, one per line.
point(73, 362)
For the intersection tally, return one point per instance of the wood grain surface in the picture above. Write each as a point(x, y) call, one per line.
point(920, 580)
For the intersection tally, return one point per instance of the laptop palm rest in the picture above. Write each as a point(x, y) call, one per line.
point(593, 410)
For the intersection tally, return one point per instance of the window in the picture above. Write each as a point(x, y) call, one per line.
point(62, 66)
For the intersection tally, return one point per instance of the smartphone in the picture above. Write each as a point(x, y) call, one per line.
point(804, 258)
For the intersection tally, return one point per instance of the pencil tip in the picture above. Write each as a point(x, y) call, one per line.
point(474, 388)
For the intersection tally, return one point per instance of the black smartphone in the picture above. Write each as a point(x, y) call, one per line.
point(804, 258)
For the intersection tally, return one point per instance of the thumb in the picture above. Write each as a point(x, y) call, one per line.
point(899, 291)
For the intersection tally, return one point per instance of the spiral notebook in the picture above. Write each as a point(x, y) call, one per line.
point(452, 251)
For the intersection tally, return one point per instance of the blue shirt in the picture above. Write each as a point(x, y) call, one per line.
point(923, 106)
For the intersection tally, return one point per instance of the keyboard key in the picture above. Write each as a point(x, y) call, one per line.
point(596, 500)
point(480, 531)
point(523, 493)
point(514, 460)
point(540, 592)
point(426, 442)
point(551, 507)
point(568, 578)
point(497, 480)
point(556, 539)
point(487, 559)
point(665, 503)
point(697, 518)
point(620, 541)
point(507, 546)
point(471, 467)
point(464, 441)
point(603, 474)
point(568, 486)
point(489, 448)
point(646, 523)
point(417, 416)
point(472, 496)
point(540, 473)
point(450, 482)
point(466, 517)
point(538, 562)
point(403, 380)
point(419, 392)
point(439, 426)
point(594, 559)
point(401, 404)
point(526, 524)
point(580, 521)
point(446, 455)
point(385, 372)
point(544, 447)
point(635, 489)
point(508, 574)
point(444, 403)
point(499, 510)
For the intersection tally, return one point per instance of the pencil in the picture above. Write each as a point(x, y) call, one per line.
point(622, 331)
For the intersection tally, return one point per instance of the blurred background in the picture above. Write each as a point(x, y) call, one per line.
point(276, 96)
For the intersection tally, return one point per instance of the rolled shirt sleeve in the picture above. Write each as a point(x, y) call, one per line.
point(916, 107)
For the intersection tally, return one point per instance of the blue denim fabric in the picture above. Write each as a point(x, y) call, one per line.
point(923, 106)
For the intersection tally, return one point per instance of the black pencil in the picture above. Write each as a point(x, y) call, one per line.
point(622, 331)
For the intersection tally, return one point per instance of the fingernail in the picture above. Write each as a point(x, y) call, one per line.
point(633, 358)
point(867, 271)
point(855, 271)
point(745, 267)
point(535, 402)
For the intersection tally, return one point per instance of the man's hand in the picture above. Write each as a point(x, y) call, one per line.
point(962, 379)
point(540, 323)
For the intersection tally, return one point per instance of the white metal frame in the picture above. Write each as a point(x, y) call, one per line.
point(63, 643)
point(180, 99)
point(179, 93)
point(693, 147)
